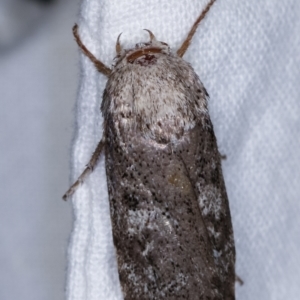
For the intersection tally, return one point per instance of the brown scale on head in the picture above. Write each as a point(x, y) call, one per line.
point(146, 52)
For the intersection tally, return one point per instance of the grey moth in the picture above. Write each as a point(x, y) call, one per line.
point(169, 209)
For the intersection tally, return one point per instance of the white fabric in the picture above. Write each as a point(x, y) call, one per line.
point(247, 54)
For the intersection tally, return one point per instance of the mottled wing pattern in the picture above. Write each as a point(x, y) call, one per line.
point(158, 230)
point(203, 164)
point(166, 244)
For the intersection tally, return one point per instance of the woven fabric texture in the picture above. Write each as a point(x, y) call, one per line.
point(247, 54)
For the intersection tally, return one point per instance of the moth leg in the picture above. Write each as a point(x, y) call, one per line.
point(87, 171)
point(100, 66)
point(223, 156)
point(239, 279)
point(186, 43)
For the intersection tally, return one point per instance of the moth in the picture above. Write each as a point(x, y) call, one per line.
point(169, 209)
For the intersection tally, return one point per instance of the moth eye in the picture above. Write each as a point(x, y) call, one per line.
point(165, 44)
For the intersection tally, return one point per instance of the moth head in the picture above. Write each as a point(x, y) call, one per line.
point(142, 52)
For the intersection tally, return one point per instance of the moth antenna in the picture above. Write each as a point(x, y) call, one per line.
point(118, 45)
point(100, 66)
point(186, 43)
point(152, 36)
